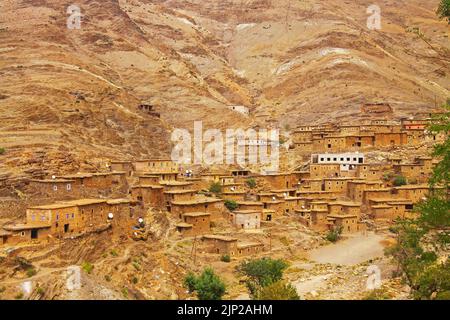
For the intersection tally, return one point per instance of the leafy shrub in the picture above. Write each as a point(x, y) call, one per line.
point(225, 258)
point(2, 151)
point(399, 181)
point(251, 183)
point(19, 296)
point(114, 253)
point(279, 290)
point(87, 267)
point(40, 291)
point(207, 285)
point(334, 235)
point(31, 272)
point(108, 278)
point(134, 280)
point(215, 187)
point(231, 205)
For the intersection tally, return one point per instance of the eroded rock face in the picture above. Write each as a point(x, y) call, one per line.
point(293, 61)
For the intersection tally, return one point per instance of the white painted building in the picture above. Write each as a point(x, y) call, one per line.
point(347, 161)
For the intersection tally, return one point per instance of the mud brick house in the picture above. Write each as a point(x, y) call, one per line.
point(283, 193)
point(338, 185)
point(266, 196)
point(348, 222)
point(415, 193)
point(359, 141)
point(386, 139)
point(250, 205)
point(372, 171)
point(240, 173)
point(290, 204)
point(178, 195)
point(148, 179)
point(412, 172)
point(304, 216)
point(148, 195)
point(125, 166)
point(232, 187)
point(122, 214)
point(249, 248)
point(234, 195)
point(246, 219)
point(166, 176)
point(314, 184)
point(214, 206)
point(325, 170)
point(356, 188)
point(162, 166)
point(275, 205)
point(345, 208)
point(195, 224)
point(304, 146)
point(281, 180)
point(379, 193)
point(268, 215)
point(54, 189)
point(92, 184)
point(333, 143)
point(25, 232)
point(76, 216)
point(220, 244)
point(389, 208)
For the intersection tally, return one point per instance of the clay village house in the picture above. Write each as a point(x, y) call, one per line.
point(194, 224)
point(246, 219)
point(225, 245)
point(69, 218)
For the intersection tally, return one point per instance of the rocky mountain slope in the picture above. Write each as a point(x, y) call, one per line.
point(69, 98)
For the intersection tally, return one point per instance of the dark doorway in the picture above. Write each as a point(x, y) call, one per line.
point(269, 217)
point(66, 228)
point(34, 233)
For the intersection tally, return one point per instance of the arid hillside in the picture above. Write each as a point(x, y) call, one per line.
point(70, 97)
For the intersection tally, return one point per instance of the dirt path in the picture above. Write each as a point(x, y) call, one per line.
point(354, 250)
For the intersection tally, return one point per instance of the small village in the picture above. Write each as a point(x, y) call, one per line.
point(236, 212)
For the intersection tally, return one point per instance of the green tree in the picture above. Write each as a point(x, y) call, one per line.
point(279, 290)
point(207, 285)
point(261, 273)
point(444, 10)
point(251, 183)
point(215, 187)
point(422, 242)
point(231, 205)
point(2, 150)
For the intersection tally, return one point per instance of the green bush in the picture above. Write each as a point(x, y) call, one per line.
point(251, 183)
point(108, 278)
point(114, 253)
point(134, 280)
point(19, 296)
point(215, 187)
point(334, 235)
point(225, 258)
point(207, 285)
point(278, 291)
point(31, 272)
point(40, 291)
point(231, 205)
point(2, 150)
point(87, 267)
point(399, 181)
point(261, 273)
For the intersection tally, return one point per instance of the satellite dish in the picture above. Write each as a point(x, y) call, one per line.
point(110, 215)
point(285, 194)
point(232, 188)
point(303, 207)
point(273, 198)
point(140, 220)
point(53, 177)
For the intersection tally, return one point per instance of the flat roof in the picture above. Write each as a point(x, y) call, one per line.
point(68, 204)
point(219, 237)
point(250, 203)
point(180, 191)
point(26, 226)
point(246, 211)
point(346, 203)
point(337, 216)
point(184, 225)
point(51, 180)
point(196, 214)
point(175, 183)
point(244, 245)
point(195, 201)
point(118, 201)
point(152, 186)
